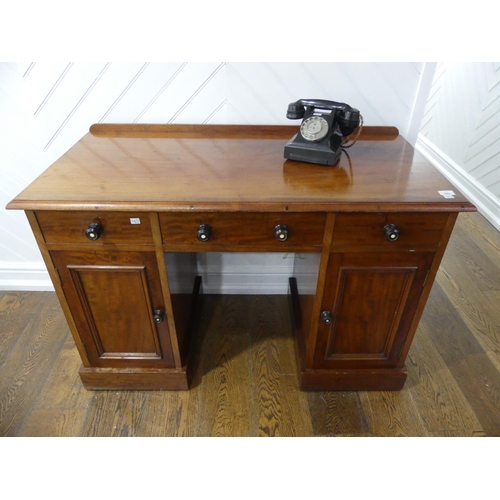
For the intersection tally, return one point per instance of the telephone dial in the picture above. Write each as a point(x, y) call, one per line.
point(323, 132)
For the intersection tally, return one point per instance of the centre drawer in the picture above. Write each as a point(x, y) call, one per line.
point(95, 227)
point(246, 230)
point(389, 230)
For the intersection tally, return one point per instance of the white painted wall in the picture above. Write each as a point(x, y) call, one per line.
point(47, 107)
point(460, 131)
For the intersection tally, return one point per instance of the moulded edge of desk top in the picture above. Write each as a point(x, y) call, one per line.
point(223, 131)
point(277, 207)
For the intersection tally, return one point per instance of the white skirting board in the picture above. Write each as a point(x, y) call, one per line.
point(28, 276)
point(245, 273)
point(486, 203)
point(235, 273)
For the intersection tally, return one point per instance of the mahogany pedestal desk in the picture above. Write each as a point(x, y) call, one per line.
point(120, 217)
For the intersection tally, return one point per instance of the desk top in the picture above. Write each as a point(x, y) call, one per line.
point(234, 168)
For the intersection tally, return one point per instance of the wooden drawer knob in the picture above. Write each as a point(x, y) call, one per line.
point(204, 232)
point(391, 232)
point(93, 232)
point(281, 232)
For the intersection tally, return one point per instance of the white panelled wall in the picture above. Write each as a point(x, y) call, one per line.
point(48, 107)
point(460, 131)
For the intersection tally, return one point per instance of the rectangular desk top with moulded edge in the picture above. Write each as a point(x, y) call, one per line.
point(158, 194)
point(234, 168)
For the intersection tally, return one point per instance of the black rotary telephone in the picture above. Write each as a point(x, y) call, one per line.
point(324, 127)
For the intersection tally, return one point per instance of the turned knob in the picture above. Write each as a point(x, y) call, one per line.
point(158, 316)
point(93, 232)
point(326, 317)
point(204, 232)
point(391, 232)
point(281, 232)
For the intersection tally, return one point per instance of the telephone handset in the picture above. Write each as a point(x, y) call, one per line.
point(324, 127)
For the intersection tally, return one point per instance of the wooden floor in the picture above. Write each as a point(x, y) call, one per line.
point(246, 381)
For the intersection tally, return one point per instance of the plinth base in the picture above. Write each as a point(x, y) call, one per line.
point(390, 379)
point(134, 379)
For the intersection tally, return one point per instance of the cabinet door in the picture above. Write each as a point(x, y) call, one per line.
point(113, 297)
point(372, 299)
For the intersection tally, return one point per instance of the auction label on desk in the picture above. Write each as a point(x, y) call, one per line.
point(135, 220)
point(446, 194)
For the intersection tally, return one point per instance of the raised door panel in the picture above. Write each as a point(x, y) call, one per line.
point(113, 296)
point(372, 298)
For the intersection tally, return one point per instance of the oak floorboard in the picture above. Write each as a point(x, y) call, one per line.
point(189, 401)
point(26, 368)
point(475, 374)
point(437, 396)
point(105, 409)
point(481, 271)
point(477, 307)
point(63, 387)
point(463, 433)
point(392, 414)
point(132, 414)
point(337, 414)
point(137, 414)
point(480, 311)
point(187, 414)
point(17, 310)
point(278, 404)
point(62, 404)
point(57, 422)
point(482, 232)
point(225, 407)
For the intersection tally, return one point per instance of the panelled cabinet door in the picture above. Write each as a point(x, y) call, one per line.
point(118, 307)
point(369, 303)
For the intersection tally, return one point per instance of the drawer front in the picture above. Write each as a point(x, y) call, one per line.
point(117, 227)
point(252, 230)
point(412, 229)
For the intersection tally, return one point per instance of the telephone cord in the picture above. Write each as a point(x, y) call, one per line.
point(346, 139)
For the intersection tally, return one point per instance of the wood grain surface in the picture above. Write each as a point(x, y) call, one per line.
point(69, 227)
point(246, 230)
point(203, 168)
point(245, 383)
